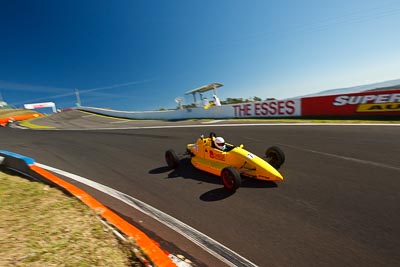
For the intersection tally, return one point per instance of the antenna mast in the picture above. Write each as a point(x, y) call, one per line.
point(78, 98)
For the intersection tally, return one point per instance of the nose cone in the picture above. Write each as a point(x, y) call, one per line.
point(269, 173)
point(258, 167)
point(277, 176)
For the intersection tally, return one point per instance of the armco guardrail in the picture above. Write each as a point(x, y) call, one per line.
point(26, 165)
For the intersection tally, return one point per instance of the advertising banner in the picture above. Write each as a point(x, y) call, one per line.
point(372, 103)
point(41, 105)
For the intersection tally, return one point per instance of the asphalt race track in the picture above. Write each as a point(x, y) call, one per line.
point(339, 204)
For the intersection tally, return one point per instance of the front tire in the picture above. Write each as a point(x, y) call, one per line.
point(172, 159)
point(275, 156)
point(231, 178)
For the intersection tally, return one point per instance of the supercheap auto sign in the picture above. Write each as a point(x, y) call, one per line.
point(366, 103)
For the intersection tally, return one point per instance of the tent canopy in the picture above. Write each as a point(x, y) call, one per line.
point(204, 88)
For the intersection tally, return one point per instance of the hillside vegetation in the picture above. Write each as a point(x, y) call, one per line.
point(41, 226)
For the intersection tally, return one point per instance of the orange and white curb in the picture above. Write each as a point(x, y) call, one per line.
point(150, 247)
point(153, 251)
point(4, 121)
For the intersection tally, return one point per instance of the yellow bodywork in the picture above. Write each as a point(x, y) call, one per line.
point(212, 160)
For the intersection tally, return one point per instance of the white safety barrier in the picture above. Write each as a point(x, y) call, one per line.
point(274, 108)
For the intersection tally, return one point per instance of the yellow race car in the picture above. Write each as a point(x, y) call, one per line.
point(231, 163)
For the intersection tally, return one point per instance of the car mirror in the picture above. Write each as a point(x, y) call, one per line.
point(241, 146)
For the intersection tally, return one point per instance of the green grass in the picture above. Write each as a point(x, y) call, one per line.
point(41, 226)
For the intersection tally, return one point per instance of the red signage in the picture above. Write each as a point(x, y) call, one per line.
point(366, 103)
point(217, 155)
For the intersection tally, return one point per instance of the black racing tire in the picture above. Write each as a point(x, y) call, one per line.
point(172, 159)
point(275, 156)
point(231, 178)
point(212, 135)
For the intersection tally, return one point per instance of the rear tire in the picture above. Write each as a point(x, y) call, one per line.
point(172, 159)
point(231, 178)
point(275, 156)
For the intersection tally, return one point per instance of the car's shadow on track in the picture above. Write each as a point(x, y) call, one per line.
point(187, 171)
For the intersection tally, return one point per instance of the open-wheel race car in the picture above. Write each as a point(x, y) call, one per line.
point(230, 162)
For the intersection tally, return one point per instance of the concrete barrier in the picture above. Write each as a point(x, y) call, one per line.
point(261, 109)
point(379, 104)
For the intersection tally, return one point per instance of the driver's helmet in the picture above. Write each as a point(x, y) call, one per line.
point(219, 143)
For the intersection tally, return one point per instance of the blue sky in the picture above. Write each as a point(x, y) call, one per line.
point(141, 54)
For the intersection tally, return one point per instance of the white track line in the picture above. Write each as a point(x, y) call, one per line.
point(210, 245)
point(120, 121)
point(211, 122)
point(361, 161)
